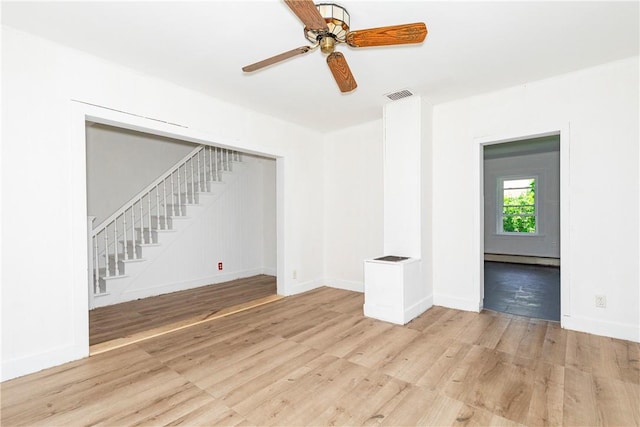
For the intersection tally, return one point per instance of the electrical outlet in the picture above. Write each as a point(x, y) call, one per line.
point(294, 274)
point(601, 301)
point(220, 266)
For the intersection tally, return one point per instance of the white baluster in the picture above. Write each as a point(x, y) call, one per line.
point(210, 163)
point(126, 252)
point(186, 188)
point(115, 247)
point(173, 197)
point(193, 184)
point(157, 207)
point(96, 265)
point(106, 253)
point(149, 214)
point(133, 232)
point(164, 201)
point(215, 164)
point(179, 191)
point(199, 172)
point(141, 223)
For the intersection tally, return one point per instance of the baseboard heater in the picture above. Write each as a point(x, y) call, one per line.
point(523, 259)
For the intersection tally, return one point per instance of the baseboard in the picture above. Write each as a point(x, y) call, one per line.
point(418, 308)
point(132, 294)
point(457, 303)
point(298, 288)
point(396, 315)
point(623, 331)
point(523, 259)
point(269, 271)
point(347, 285)
point(37, 362)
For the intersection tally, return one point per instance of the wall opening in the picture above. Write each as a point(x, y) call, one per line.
point(85, 113)
point(521, 227)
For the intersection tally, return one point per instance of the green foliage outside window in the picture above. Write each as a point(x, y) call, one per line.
point(519, 206)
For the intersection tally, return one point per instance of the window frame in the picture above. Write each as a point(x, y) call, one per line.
point(500, 205)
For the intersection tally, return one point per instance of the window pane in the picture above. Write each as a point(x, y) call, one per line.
point(519, 205)
point(519, 224)
point(519, 210)
point(518, 183)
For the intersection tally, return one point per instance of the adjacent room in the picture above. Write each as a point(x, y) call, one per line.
point(189, 235)
point(407, 213)
point(522, 227)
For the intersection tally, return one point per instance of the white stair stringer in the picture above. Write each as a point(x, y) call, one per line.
point(153, 239)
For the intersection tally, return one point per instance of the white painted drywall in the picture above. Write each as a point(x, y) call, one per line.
point(121, 163)
point(546, 167)
point(402, 177)
point(597, 108)
point(353, 207)
point(44, 303)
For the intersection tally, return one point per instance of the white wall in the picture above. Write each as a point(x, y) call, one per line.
point(597, 110)
point(121, 163)
point(353, 203)
point(44, 297)
point(544, 243)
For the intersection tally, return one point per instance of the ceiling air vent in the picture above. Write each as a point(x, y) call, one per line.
point(398, 95)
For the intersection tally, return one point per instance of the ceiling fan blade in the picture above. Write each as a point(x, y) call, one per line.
point(308, 13)
point(385, 36)
point(341, 72)
point(276, 59)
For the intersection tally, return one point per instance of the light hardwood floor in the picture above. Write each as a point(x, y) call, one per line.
point(313, 359)
point(129, 318)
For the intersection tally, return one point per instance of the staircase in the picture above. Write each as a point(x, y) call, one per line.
point(119, 244)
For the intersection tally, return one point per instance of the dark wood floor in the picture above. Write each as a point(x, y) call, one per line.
point(522, 289)
point(313, 359)
point(128, 318)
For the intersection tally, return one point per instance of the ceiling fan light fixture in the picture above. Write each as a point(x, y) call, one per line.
point(337, 19)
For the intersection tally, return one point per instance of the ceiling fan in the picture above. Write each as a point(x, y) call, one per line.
point(327, 24)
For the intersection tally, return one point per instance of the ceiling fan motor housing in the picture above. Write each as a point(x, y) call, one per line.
point(338, 21)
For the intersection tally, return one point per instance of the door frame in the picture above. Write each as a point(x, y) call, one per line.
point(478, 214)
point(82, 112)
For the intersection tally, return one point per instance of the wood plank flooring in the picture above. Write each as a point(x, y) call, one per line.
point(130, 318)
point(313, 359)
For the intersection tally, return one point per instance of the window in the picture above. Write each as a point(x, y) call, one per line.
point(518, 205)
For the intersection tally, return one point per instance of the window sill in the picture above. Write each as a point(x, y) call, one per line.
point(518, 235)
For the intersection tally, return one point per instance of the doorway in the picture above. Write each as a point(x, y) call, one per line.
point(521, 239)
point(272, 222)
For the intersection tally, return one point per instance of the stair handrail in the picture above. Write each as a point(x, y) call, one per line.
point(145, 191)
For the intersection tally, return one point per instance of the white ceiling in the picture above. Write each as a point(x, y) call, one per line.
point(472, 47)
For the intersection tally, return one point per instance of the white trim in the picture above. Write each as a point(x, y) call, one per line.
point(25, 365)
point(166, 288)
point(623, 331)
point(269, 271)
point(457, 303)
point(298, 288)
point(396, 314)
point(347, 285)
point(417, 309)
